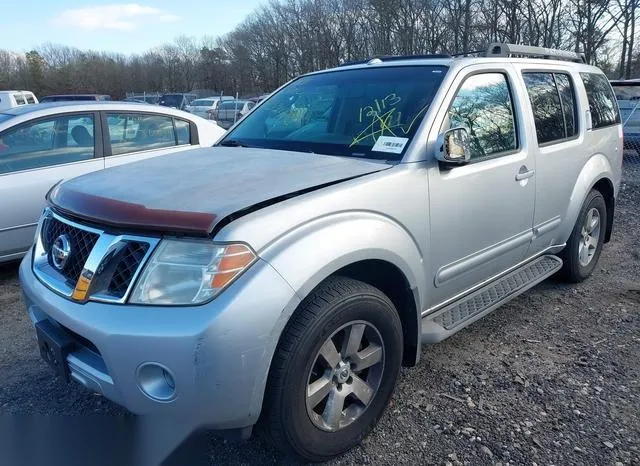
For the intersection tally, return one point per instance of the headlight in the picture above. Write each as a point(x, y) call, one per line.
point(190, 271)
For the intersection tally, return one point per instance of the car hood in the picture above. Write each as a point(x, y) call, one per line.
point(196, 190)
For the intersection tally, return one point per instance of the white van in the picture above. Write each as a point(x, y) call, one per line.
point(12, 99)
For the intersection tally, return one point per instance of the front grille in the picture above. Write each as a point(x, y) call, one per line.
point(81, 241)
point(116, 259)
point(126, 267)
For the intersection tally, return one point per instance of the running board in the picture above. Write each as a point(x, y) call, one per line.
point(456, 316)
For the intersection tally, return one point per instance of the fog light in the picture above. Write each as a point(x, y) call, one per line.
point(156, 381)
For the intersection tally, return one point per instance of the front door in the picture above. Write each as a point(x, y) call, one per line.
point(481, 213)
point(33, 157)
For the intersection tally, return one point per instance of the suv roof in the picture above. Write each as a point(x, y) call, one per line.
point(495, 51)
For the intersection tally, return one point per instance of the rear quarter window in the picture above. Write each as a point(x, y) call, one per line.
point(602, 101)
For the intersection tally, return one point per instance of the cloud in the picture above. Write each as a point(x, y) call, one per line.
point(115, 16)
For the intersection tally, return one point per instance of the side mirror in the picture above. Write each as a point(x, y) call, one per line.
point(453, 146)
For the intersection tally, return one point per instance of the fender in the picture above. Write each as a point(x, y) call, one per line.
point(311, 252)
point(596, 168)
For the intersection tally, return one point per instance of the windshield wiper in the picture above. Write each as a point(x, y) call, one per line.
point(232, 143)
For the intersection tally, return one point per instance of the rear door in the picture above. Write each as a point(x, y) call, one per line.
point(557, 144)
point(481, 213)
point(563, 145)
point(33, 157)
point(132, 136)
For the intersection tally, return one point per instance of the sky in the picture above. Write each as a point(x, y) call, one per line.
point(124, 26)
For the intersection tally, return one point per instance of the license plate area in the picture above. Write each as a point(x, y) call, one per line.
point(54, 346)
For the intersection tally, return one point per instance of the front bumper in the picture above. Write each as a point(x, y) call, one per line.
point(218, 353)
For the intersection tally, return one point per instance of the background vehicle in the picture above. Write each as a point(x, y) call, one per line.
point(133, 99)
point(628, 96)
point(144, 98)
point(257, 100)
point(12, 99)
point(286, 273)
point(74, 98)
point(205, 107)
point(230, 111)
point(176, 100)
point(41, 145)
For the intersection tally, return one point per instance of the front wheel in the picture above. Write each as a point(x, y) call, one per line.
point(334, 370)
point(583, 249)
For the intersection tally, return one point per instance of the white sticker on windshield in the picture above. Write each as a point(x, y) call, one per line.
point(389, 144)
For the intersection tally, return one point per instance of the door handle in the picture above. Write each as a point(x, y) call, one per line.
point(523, 174)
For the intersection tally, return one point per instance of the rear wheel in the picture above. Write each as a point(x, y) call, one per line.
point(583, 249)
point(334, 370)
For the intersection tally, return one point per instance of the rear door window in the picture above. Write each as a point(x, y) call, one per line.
point(183, 133)
point(567, 97)
point(553, 105)
point(135, 132)
point(47, 142)
point(602, 101)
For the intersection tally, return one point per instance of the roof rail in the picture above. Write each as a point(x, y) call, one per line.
point(386, 58)
point(510, 50)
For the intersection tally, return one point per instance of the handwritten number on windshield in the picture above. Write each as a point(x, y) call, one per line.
point(383, 119)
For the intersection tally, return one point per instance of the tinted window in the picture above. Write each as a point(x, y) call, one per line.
point(47, 142)
point(483, 106)
point(19, 99)
point(172, 100)
point(567, 97)
point(344, 112)
point(182, 131)
point(31, 99)
point(546, 106)
point(230, 105)
point(602, 101)
point(202, 103)
point(133, 132)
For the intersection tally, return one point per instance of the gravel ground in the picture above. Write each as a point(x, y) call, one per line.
point(550, 378)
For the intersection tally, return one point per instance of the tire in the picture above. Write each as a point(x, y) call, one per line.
point(574, 268)
point(337, 308)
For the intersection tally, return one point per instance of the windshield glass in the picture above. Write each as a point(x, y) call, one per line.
point(231, 104)
point(627, 91)
point(202, 103)
point(171, 100)
point(370, 113)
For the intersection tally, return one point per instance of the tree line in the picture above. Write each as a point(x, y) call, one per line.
point(285, 38)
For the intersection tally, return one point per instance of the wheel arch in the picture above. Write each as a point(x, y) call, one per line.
point(595, 174)
point(393, 283)
point(371, 248)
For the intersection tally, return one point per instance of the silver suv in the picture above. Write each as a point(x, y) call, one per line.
point(354, 215)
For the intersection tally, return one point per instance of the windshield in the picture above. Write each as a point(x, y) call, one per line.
point(171, 100)
point(627, 91)
point(202, 103)
point(370, 113)
point(231, 104)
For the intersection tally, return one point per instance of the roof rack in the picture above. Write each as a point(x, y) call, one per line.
point(515, 50)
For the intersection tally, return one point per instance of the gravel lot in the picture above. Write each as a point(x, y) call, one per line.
point(551, 378)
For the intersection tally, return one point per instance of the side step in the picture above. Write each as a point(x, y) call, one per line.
point(456, 316)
